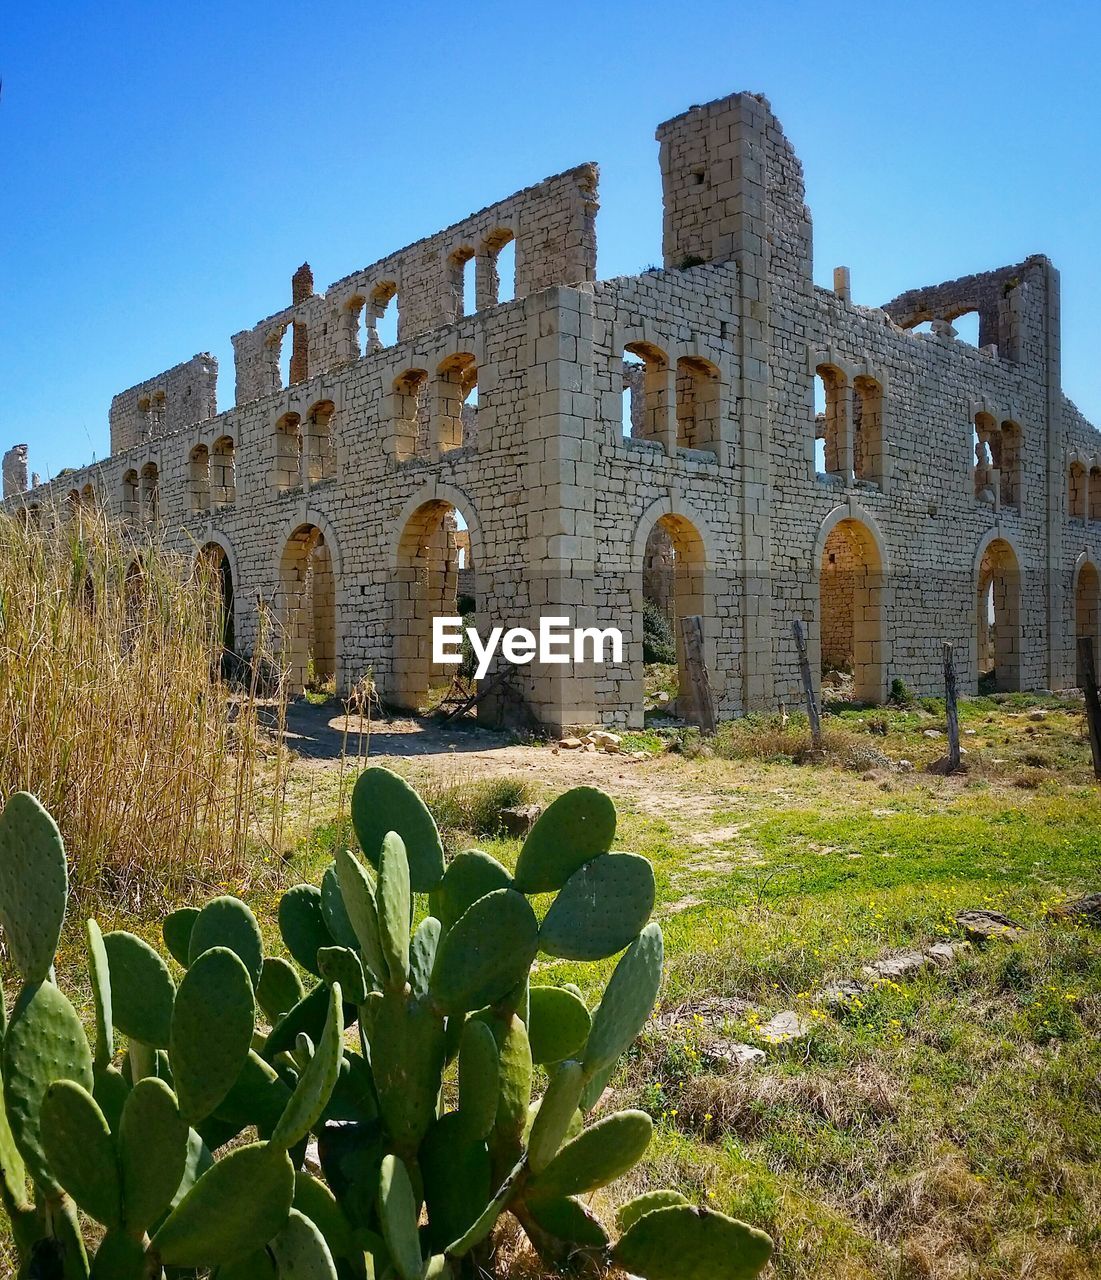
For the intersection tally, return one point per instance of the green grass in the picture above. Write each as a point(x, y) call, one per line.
point(945, 1126)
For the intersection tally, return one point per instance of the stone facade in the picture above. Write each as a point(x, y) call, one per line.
point(927, 491)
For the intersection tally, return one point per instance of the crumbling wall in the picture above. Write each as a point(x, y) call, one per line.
point(180, 397)
point(553, 225)
point(15, 470)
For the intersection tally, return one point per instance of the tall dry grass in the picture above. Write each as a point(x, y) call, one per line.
point(113, 711)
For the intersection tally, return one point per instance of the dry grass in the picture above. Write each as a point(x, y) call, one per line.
point(113, 711)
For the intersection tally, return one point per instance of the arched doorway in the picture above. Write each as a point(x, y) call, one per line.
point(307, 610)
point(213, 559)
point(674, 586)
point(851, 605)
point(434, 577)
point(998, 620)
point(1087, 616)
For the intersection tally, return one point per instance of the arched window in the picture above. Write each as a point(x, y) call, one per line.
point(833, 421)
point(131, 507)
point(381, 317)
point(223, 481)
point(88, 497)
point(150, 493)
point(496, 269)
point(1095, 495)
point(1010, 466)
point(646, 395)
point(1076, 491)
point(288, 453)
point(461, 286)
point(410, 409)
point(456, 403)
point(698, 420)
point(200, 479)
point(319, 442)
point(868, 444)
point(985, 437)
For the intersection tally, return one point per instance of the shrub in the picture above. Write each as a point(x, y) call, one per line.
point(416, 1186)
point(112, 708)
point(901, 695)
point(474, 805)
point(658, 641)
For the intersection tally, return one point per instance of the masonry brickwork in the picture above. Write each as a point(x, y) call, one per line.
point(720, 433)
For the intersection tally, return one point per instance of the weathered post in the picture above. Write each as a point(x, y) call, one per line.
point(692, 634)
point(951, 709)
point(808, 686)
point(1093, 701)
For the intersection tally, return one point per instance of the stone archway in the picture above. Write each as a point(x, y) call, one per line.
point(215, 557)
point(1087, 615)
point(998, 621)
point(306, 609)
point(852, 606)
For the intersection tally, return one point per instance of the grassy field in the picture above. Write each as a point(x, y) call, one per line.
point(945, 1125)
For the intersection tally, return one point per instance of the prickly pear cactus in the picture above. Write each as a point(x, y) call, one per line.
point(144, 1135)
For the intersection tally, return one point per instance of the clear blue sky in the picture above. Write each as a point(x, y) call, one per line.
point(166, 167)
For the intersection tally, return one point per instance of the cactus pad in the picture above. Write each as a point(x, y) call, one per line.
point(228, 922)
point(567, 1219)
point(683, 1243)
point(382, 802)
point(597, 1156)
point(515, 1081)
point(556, 1111)
point(81, 1152)
point(628, 1214)
point(397, 1211)
point(558, 1023)
point(152, 1147)
point(487, 952)
point(456, 1171)
point(407, 1056)
point(301, 1252)
point(34, 885)
point(234, 1208)
point(470, 875)
point(394, 908)
point(279, 988)
point(600, 909)
point(316, 1082)
point(422, 954)
point(176, 932)
point(100, 973)
point(358, 892)
point(627, 1002)
point(333, 910)
point(302, 924)
point(44, 1042)
point(342, 966)
point(479, 1081)
point(571, 831)
point(212, 1027)
point(142, 990)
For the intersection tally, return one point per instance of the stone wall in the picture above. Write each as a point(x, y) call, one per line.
point(333, 498)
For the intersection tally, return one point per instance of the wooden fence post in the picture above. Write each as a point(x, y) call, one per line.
point(951, 709)
point(1093, 701)
point(692, 633)
point(808, 684)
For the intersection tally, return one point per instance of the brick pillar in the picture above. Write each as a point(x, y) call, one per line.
point(301, 289)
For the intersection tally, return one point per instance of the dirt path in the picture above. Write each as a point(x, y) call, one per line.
point(322, 734)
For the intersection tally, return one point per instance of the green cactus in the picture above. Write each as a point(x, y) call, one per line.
point(228, 922)
point(486, 953)
point(135, 1148)
point(383, 802)
point(34, 885)
point(212, 1025)
point(571, 831)
point(684, 1243)
point(600, 909)
point(142, 990)
point(558, 1024)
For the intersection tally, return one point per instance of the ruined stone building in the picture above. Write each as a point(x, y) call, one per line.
point(761, 448)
